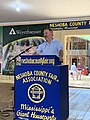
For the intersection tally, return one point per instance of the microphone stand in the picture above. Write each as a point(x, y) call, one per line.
point(20, 53)
point(14, 58)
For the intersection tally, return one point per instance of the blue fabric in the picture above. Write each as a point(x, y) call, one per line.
point(51, 48)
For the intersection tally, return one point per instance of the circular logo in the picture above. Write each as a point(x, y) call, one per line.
point(36, 93)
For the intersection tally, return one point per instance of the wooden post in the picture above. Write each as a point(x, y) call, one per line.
point(64, 52)
point(68, 51)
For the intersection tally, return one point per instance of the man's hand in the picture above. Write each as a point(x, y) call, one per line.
point(61, 55)
point(61, 59)
point(35, 53)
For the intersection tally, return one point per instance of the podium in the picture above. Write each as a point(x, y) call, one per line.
point(41, 91)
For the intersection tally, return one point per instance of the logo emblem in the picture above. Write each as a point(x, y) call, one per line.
point(36, 93)
point(12, 32)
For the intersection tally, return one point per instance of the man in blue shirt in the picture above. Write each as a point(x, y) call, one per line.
point(51, 46)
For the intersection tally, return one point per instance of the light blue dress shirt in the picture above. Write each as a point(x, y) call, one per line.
point(51, 48)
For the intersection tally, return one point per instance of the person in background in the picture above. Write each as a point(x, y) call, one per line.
point(85, 71)
point(74, 71)
point(51, 46)
point(79, 70)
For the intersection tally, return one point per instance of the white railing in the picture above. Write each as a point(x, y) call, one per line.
point(78, 52)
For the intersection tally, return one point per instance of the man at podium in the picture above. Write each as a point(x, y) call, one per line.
point(51, 46)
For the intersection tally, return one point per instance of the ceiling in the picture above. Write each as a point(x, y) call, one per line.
point(38, 10)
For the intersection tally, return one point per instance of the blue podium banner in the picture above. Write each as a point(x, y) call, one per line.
point(40, 60)
point(41, 92)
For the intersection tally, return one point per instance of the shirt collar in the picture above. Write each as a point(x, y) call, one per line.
point(51, 40)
